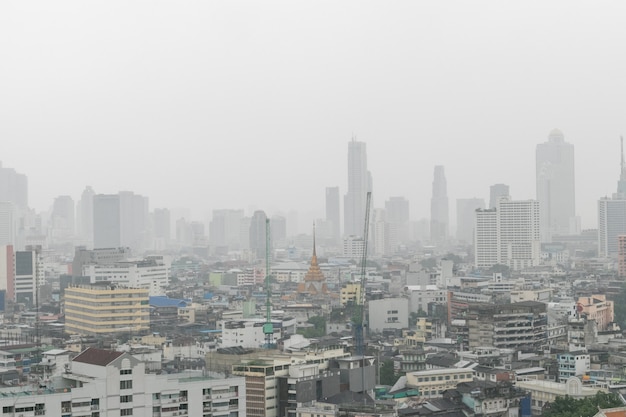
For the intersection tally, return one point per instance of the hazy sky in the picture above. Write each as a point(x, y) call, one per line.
point(234, 104)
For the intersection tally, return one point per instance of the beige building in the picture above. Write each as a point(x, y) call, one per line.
point(433, 382)
point(262, 385)
point(543, 392)
point(597, 308)
point(351, 294)
point(105, 309)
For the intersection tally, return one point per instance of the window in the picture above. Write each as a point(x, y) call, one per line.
point(126, 384)
point(126, 371)
point(126, 399)
point(126, 412)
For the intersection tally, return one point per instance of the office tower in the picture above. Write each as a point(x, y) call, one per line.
point(612, 216)
point(225, 228)
point(439, 207)
point(244, 232)
point(121, 220)
point(384, 236)
point(495, 192)
point(508, 234)
point(8, 223)
point(62, 219)
point(85, 216)
point(257, 234)
point(333, 212)
point(359, 184)
point(397, 213)
point(134, 220)
point(465, 217)
point(621, 258)
point(279, 229)
point(106, 221)
point(162, 224)
point(555, 185)
point(13, 187)
point(28, 275)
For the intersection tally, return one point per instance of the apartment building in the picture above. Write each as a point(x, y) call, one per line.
point(94, 310)
point(433, 382)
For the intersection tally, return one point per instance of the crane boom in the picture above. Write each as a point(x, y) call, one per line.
point(360, 316)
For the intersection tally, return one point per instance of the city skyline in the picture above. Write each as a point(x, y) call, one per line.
point(267, 94)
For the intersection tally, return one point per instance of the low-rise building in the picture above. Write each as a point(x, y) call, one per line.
point(432, 383)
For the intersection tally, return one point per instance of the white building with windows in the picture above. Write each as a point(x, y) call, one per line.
point(508, 235)
point(151, 273)
point(100, 383)
point(388, 313)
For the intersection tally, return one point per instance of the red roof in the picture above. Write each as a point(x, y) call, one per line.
point(100, 357)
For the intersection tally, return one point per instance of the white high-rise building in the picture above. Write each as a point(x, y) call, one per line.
point(612, 216)
point(397, 209)
point(555, 185)
point(359, 184)
point(508, 235)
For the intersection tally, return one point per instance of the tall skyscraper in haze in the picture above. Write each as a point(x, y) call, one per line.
point(162, 224)
point(439, 216)
point(13, 188)
point(84, 216)
point(465, 217)
point(397, 215)
point(359, 183)
point(8, 223)
point(612, 216)
point(257, 234)
point(555, 185)
point(121, 220)
point(495, 192)
point(63, 219)
point(333, 213)
point(106, 221)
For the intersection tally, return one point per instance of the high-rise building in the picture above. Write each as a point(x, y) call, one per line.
point(359, 184)
point(495, 192)
point(621, 264)
point(62, 219)
point(162, 224)
point(612, 216)
point(278, 225)
point(7, 271)
point(555, 185)
point(85, 216)
point(13, 187)
point(28, 275)
point(8, 223)
point(397, 213)
point(225, 228)
point(508, 235)
point(333, 212)
point(439, 207)
point(121, 220)
point(257, 234)
point(106, 221)
point(465, 217)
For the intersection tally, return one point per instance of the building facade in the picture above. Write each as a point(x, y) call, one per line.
point(94, 310)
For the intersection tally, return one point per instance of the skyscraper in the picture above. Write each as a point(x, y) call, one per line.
point(397, 214)
point(508, 235)
point(612, 215)
point(465, 217)
point(555, 185)
point(106, 221)
point(257, 234)
point(121, 220)
point(85, 216)
point(13, 187)
point(439, 207)
point(359, 184)
point(333, 212)
point(495, 192)
point(62, 219)
point(8, 223)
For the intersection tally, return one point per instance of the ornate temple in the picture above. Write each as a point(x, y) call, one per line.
point(314, 281)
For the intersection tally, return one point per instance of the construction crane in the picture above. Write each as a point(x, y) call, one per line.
point(359, 317)
point(268, 327)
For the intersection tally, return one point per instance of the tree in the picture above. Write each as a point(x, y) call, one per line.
point(318, 329)
point(585, 407)
point(387, 373)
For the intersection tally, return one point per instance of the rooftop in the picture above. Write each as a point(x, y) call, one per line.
point(100, 357)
